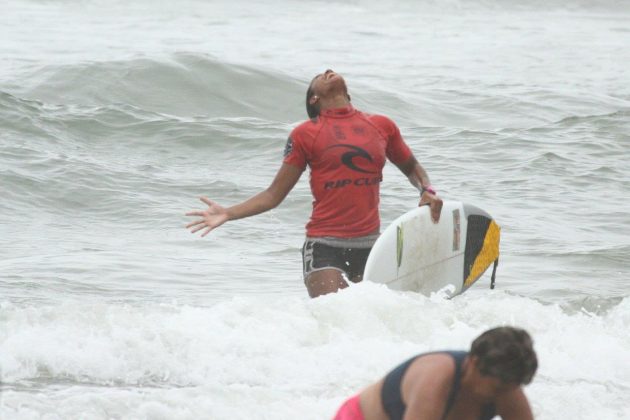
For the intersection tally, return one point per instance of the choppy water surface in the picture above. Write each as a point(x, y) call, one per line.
point(115, 117)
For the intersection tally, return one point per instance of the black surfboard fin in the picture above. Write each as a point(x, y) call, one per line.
point(494, 273)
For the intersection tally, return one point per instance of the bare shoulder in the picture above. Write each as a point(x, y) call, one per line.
point(438, 360)
point(430, 369)
point(426, 385)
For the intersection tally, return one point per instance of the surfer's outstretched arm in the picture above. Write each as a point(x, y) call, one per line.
point(420, 179)
point(215, 215)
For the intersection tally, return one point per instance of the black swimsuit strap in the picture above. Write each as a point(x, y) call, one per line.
point(488, 411)
point(459, 359)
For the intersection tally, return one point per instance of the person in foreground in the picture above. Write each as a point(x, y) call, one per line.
point(346, 151)
point(480, 384)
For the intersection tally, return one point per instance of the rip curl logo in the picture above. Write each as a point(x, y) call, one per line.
point(349, 157)
point(288, 148)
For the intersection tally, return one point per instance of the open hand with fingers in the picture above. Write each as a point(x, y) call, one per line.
point(214, 216)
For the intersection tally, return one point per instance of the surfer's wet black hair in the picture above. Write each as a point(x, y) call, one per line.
point(506, 353)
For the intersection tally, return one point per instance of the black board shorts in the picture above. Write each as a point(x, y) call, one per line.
point(320, 256)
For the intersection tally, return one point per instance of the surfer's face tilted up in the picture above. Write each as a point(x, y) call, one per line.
point(327, 90)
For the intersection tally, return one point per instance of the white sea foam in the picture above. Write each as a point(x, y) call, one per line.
point(288, 357)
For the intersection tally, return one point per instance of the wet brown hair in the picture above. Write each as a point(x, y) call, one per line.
point(506, 353)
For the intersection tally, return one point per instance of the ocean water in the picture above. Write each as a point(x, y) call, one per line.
point(116, 116)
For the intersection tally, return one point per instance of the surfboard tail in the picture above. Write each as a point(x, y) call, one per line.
point(482, 246)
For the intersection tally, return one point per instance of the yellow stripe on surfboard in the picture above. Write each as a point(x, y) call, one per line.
point(488, 254)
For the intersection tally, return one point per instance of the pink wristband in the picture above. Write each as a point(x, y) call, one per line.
point(428, 189)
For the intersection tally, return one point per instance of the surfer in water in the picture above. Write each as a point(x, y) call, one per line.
point(346, 151)
point(479, 384)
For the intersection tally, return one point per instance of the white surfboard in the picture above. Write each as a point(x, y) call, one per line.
point(415, 254)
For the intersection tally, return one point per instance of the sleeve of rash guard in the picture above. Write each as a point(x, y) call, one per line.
point(294, 150)
point(397, 150)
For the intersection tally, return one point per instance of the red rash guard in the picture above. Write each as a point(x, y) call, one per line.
point(346, 151)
